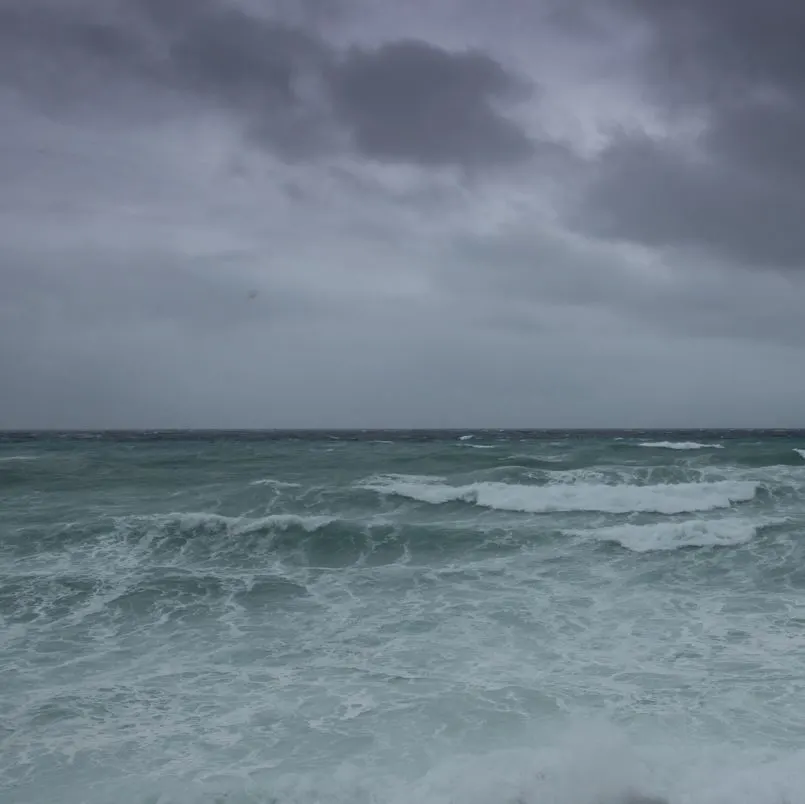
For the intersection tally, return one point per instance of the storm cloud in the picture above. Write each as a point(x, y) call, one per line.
point(734, 73)
point(254, 213)
point(407, 100)
point(411, 100)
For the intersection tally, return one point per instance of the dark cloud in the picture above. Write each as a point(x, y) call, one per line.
point(136, 218)
point(736, 70)
point(710, 51)
point(412, 101)
point(662, 195)
point(64, 57)
point(292, 90)
point(265, 71)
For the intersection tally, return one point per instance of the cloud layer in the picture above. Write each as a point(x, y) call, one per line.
point(735, 187)
point(221, 213)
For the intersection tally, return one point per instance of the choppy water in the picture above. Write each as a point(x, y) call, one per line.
point(483, 618)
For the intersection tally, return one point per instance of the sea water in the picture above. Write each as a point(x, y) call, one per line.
point(479, 617)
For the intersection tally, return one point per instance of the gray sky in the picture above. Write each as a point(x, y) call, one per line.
point(452, 212)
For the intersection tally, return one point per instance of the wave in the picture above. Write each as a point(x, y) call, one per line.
point(216, 542)
point(679, 445)
point(800, 452)
point(664, 536)
point(668, 498)
point(206, 537)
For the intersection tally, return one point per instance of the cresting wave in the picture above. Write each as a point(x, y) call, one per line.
point(670, 498)
point(663, 536)
point(190, 538)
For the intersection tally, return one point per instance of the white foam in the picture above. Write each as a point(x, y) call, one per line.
point(18, 458)
point(679, 445)
point(277, 484)
point(800, 452)
point(569, 772)
point(673, 535)
point(615, 499)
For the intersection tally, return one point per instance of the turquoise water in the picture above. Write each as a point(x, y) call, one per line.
point(481, 617)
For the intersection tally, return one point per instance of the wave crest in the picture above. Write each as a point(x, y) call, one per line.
point(664, 536)
point(671, 498)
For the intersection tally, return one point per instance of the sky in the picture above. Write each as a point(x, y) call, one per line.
point(370, 213)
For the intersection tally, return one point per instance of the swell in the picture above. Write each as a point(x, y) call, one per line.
point(219, 544)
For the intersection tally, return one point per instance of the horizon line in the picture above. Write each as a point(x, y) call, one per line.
point(430, 429)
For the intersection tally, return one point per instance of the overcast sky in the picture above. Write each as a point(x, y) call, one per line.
point(369, 213)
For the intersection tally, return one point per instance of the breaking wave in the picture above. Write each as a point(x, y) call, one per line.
point(663, 536)
point(670, 498)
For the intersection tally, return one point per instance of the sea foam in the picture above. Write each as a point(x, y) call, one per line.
point(674, 535)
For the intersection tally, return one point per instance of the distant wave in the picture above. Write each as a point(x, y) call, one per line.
point(615, 499)
point(679, 445)
point(800, 452)
point(674, 535)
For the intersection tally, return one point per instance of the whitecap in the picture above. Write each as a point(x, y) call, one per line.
point(663, 536)
point(670, 498)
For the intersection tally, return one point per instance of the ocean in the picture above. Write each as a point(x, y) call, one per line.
point(475, 617)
